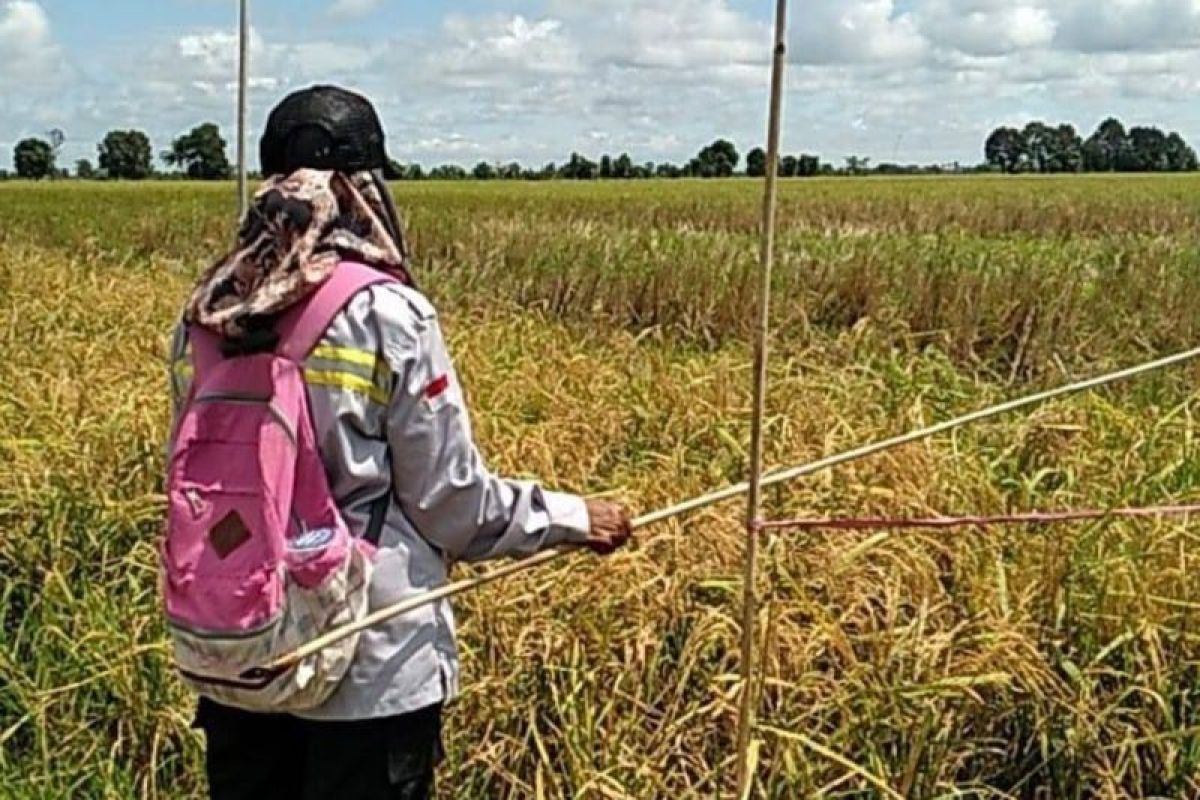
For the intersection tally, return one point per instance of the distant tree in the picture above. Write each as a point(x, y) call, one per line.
point(1066, 154)
point(1148, 148)
point(126, 155)
point(201, 154)
point(756, 163)
point(622, 167)
point(606, 166)
point(448, 172)
point(548, 172)
point(667, 170)
point(579, 169)
point(1180, 156)
point(789, 167)
point(57, 138)
point(406, 172)
point(84, 170)
point(717, 160)
point(808, 166)
point(1107, 149)
point(1040, 140)
point(483, 172)
point(509, 172)
point(33, 159)
point(856, 164)
point(1005, 149)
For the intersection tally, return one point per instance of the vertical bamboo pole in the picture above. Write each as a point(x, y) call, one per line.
point(754, 506)
point(243, 103)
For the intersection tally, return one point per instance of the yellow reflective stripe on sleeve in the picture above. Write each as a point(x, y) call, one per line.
point(348, 355)
point(348, 381)
point(375, 389)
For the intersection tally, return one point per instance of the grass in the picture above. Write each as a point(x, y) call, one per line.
point(1056, 662)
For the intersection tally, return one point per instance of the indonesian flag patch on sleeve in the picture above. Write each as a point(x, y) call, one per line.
point(437, 393)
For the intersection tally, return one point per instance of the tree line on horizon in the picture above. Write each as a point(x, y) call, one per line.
point(1043, 148)
point(717, 160)
point(128, 155)
point(201, 154)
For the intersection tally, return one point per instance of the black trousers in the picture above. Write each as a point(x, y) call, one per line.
point(281, 757)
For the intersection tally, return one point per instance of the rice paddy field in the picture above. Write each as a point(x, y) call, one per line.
point(602, 332)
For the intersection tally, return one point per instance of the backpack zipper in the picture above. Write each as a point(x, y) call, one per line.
point(255, 680)
point(255, 400)
point(194, 500)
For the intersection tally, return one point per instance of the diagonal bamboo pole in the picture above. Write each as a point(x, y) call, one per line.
point(746, 703)
point(729, 493)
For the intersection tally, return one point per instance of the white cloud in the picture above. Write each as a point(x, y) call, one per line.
point(211, 55)
point(452, 145)
point(684, 35)
point(861, 31)
point(1128, 25)
point(1002, 27)
point(31, 57)
point(498, 50)
point(21, 20)
point(206, 62)
point(987, 27)
point(354, 8)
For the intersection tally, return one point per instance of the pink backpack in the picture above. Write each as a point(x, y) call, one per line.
point(257, 559)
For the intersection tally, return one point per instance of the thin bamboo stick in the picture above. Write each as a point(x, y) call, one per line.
point(746, 703)
point(466, 585)
point(243, 104)
point(1030, 518)
point(729, 493)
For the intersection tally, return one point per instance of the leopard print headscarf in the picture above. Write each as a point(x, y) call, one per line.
point(298, 230)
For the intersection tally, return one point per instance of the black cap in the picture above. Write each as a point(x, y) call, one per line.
point(324, 127)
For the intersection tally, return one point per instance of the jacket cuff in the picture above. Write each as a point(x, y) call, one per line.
point(569, 519)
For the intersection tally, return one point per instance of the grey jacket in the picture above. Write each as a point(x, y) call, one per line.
point(391, 421)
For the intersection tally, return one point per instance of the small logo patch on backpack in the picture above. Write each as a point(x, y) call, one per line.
point(228, 535)
point(311, 541)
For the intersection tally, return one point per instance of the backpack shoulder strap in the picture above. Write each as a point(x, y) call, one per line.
point(303, 327)
point(206, 351)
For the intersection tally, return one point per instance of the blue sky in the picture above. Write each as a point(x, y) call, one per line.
point(470, 80)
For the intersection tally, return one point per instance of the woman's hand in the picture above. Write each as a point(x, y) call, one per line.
point(611, 527)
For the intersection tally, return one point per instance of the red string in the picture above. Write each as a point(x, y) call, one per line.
point(1034, 518)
